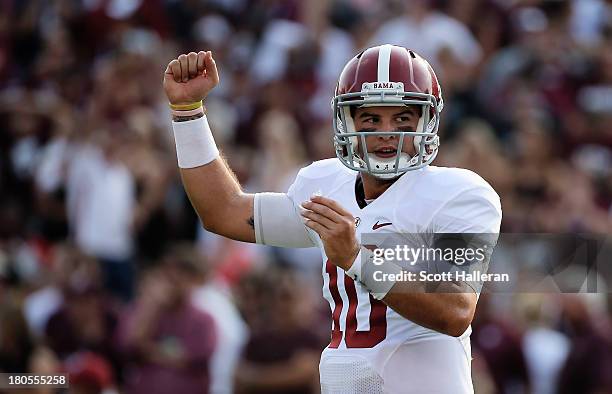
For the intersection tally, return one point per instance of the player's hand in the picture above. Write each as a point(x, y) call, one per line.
point(335, 226)
point(189, 78)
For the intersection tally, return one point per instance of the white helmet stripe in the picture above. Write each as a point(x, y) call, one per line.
point(384, 58)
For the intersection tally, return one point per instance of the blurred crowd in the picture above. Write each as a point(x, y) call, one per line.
point(105, 273)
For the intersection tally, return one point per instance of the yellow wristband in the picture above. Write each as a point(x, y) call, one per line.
point(186, 107)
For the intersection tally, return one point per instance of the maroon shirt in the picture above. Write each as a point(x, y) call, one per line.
point(186, 330)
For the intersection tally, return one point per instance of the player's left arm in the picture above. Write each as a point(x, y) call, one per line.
point(473, 218)
point(448, 309)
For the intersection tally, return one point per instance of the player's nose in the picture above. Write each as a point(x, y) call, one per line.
point(386, 125)
point(385, 137)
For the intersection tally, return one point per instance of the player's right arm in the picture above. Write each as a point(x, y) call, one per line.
point(212, 188)
point(215, 193)
point(219, 201)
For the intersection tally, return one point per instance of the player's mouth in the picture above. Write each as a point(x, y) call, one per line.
point(385, 152)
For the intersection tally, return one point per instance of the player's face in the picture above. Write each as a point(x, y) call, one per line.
point(399, 118)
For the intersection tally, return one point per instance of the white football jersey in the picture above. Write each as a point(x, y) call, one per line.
point(373, 349)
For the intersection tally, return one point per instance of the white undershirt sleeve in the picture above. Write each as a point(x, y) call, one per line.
point(278, 222)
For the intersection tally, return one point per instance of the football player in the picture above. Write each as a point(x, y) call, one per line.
point(389, 337)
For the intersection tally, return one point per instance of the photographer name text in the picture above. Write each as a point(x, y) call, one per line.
point(424, 276)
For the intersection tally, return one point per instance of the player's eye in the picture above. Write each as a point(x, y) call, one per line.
point(403, 119)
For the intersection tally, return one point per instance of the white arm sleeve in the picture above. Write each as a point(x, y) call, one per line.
point(278, 222)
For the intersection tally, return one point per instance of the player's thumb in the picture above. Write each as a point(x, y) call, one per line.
point(169, 75)
point(211, 68)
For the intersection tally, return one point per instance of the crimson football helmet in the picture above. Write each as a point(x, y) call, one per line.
point(387, 75)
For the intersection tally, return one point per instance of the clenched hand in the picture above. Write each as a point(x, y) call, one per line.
point(189, 78)
point(335, 226)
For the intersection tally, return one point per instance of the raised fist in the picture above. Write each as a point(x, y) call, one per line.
point(189, 78)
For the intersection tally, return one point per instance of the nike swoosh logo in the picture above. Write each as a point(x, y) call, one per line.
point(376, 226)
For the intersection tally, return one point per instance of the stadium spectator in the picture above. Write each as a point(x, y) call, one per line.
point(70, 269)
point(85, 321)
point(212, 295)
point(167, 341)
point(282, 354)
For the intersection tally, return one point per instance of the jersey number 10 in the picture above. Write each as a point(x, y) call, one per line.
point(353, 338)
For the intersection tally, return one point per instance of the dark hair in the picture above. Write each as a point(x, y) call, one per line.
point(186, 258)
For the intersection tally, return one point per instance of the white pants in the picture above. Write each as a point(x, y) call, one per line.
point(440, 365)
